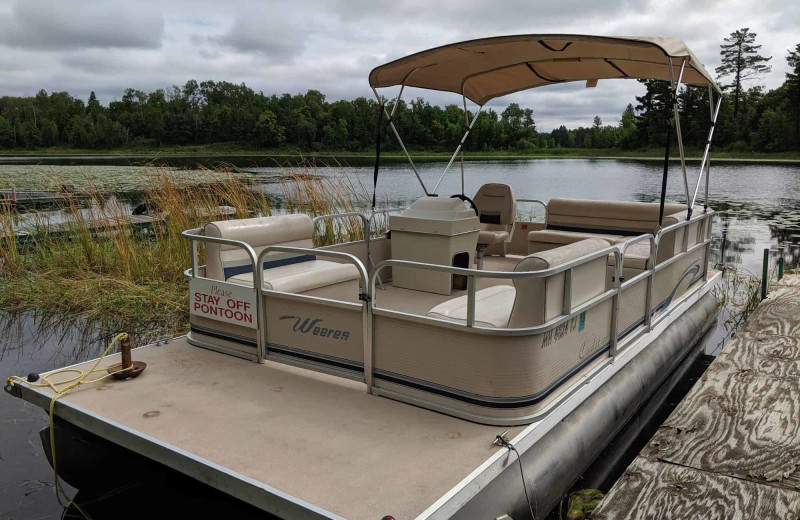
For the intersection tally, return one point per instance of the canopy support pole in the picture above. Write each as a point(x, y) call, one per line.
point(706, 153)
point(458, 149)
point(713, 122)
point(676, 113)
point(466, 121)
point(397, 135)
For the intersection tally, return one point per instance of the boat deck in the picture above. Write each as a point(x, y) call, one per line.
point(320, 439)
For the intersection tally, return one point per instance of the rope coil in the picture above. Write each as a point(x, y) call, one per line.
point(71, 383)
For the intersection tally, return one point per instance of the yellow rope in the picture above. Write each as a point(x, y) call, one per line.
point(71, 383)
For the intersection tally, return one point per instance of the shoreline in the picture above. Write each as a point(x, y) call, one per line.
point(280, 157)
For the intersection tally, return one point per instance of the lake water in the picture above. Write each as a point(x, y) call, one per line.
point(756, 204)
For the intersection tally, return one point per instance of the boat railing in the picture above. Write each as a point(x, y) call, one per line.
point(196, 235)
point(705, 217)
point(364, 222)
point(363, 296)
point(568, 310)
point(649, 273)
point(537, 201)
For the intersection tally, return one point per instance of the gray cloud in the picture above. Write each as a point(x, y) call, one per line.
point(59, 26)
point(277, 46)
point(268, 34)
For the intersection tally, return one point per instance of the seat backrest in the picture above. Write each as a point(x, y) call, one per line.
point(224, 261)
point(607, 216)
point(497, 207)
point(539, 300)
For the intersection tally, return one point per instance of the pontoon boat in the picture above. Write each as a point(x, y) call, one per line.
point(416, 374)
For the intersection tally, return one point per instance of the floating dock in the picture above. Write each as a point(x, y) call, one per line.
point(731, 449)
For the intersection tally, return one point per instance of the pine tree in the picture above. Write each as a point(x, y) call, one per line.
point(741, 60)
point(793, 88)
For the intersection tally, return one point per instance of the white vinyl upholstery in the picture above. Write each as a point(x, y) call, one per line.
point(286, 272)
point(533, 301)
point(492, 307)
point(302, 277)
point(497, 209)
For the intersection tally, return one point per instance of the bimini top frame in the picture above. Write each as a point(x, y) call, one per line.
point(484, 69)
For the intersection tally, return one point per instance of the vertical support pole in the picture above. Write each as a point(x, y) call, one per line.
point(194, 258)
point(780, 266)
point(707, 247)
point(366, 316)
point(713, 122)
point(648, 304)
point(261, 313)
point(612, 349)
point(466, 120)
point(764, 268)
point(567, 303)
point(470, 300)
point(676, 115)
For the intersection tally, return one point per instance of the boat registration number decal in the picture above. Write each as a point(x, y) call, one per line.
point(231, 303)
point(561, 331)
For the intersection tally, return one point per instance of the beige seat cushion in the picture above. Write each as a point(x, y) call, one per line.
point(546, 239)
point(636, 256)
point(492, 237)
point(603, 215)
point(492, 307)
point(301, 277)
point(569, 237)
point(541, 299)
point(532, 301)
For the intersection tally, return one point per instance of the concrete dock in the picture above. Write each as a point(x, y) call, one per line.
point(731, 449)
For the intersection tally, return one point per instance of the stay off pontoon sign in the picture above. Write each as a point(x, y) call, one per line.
point(231, 303)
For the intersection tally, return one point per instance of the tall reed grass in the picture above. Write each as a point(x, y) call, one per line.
point(317, 195)
point(99, 266)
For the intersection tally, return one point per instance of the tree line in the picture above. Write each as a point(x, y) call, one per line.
point(751, 119)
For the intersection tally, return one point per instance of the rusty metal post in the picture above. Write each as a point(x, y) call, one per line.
point(128, 368)
point(125, 350)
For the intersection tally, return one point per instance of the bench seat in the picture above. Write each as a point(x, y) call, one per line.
point(545, 239)
point(637, 256)
point(302, 277)
point(297, 273)
point(492, 307)
point(533, 301)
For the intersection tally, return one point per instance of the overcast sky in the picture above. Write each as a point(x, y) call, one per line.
point(331, 45)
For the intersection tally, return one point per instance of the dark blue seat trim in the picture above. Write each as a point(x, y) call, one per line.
point(248, 268)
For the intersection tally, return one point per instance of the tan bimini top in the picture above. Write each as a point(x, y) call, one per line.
point(488, 68)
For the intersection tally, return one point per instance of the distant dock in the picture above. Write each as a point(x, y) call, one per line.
point(32, 199)
point(136, 223)
point(731, 449)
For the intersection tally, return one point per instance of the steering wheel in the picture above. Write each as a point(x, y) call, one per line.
point(467, 199)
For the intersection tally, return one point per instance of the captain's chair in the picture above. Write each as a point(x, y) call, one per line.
point(497, 208)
